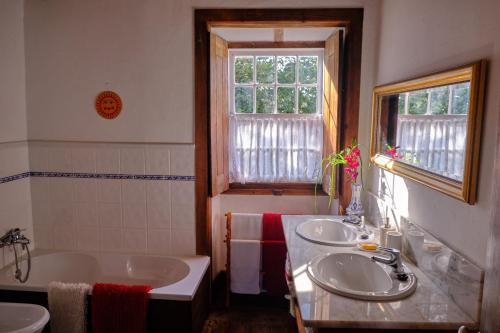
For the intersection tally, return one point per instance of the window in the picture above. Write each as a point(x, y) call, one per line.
point(275, 121)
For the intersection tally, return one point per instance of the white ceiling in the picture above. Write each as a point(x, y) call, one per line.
point(267, 34)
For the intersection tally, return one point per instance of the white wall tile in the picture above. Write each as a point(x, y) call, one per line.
point(182, 160)
point(61, 213)
point(108, 160)
point(183, 205)
point(134, 240)
point(109, 190)
point(41, 213)
point(132, 161)
point(134, 215)
point(44, 236)
point(61, 189)
point(183, 242)
point(84, 190)
point(159, 241)
point(83, 159)
point(40, 189)
point(109, 215)
point(158, 160)
point(60, 159)
point(65, 238)
point(111, 239)
point(133, 191)
point(158, 191)
point(39, 157)
point(14, 158)
point(85, 214)
point(88, 239)
point(158, 215)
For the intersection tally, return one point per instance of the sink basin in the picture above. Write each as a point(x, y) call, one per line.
point(357, 276)
point(22, 318)
point(328, 232)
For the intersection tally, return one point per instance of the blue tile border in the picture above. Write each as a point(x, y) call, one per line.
point(14, 177)
point(94, 176)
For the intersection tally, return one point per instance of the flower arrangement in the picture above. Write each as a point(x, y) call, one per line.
point(350, 157)
point(392, 151)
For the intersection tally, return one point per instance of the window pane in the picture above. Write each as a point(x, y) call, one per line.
point(439, 100)
point(307, 100)
point(308, 69)
point(286, 100)
point(265, 100)
point(401, 104)
point(243, 69)
point(417, 102)
point(265, 69)
point(461, 98)
point(243, 99)
point(286, 69)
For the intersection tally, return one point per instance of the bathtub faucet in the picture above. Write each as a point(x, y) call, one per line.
point(13, 236)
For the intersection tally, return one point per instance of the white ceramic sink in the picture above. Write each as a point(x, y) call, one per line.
point(328, 232)
point(22, 318)
point(358, 276)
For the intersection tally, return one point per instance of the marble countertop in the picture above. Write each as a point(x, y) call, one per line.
point(427, 308)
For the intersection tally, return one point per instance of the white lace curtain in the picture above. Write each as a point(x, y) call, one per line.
point(435, 143)
point(275, 148)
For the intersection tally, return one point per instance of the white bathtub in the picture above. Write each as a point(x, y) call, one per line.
point(172, 278)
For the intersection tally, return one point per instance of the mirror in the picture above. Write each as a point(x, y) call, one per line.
point(428, 129)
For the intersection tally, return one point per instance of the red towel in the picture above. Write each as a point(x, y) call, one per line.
point(273, 254)
point(119, 308)
point(273, 264)
point(272, 228)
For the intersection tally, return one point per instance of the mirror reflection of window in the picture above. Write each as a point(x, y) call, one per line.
point(427, 128)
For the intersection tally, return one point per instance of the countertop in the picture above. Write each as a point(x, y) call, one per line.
point(427, 308)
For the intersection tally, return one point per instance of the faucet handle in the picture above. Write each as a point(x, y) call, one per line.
point(390, 250)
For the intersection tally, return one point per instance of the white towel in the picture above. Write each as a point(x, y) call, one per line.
point(245, 266)
point(68, 307)
point(246, 226)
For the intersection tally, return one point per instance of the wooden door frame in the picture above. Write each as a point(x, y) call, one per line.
point(351, 19)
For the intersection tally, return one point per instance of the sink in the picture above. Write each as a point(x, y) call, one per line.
point(22, 318)
point(357, 276)
point(328, 232)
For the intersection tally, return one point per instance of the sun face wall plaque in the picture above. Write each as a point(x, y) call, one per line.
point(108, 104)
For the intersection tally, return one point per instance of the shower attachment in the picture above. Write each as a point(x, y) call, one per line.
point(12, 238)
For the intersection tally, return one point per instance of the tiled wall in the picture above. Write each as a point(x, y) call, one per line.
point(113, 197)
point(15, 199)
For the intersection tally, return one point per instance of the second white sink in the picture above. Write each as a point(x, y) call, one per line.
point(328, 232)
point(22, 318)
point(358, 276)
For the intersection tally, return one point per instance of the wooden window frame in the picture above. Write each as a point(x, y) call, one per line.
point(351, 19)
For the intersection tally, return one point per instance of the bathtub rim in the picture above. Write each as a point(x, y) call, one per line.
point(183, 290)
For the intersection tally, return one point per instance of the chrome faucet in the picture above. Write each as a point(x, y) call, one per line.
point(13, 236)
point(394, 260)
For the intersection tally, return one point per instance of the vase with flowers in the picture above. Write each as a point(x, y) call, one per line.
point(350, 158)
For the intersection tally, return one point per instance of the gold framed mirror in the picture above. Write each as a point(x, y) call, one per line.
point(428, 129)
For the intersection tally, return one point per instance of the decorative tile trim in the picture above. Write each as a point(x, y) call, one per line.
point(94, 176)
point(14, 177)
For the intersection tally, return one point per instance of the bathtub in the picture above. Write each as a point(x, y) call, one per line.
point(179, 300)
point(172, 278)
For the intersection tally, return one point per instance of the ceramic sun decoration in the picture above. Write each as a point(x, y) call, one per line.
point(350, 157)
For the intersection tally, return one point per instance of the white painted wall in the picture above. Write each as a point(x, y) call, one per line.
point(15, 199)
point(418, 37)
point(12, 69)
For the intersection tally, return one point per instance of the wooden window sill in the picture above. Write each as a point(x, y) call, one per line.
point(274, 189)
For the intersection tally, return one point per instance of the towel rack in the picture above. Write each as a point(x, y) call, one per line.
point(227, 240)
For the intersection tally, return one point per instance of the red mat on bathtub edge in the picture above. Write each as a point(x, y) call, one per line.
point(119, 308)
